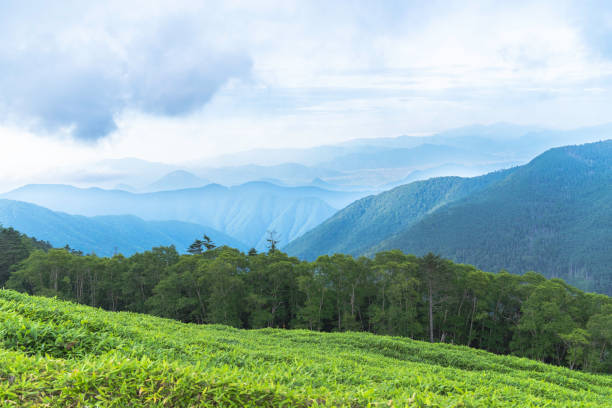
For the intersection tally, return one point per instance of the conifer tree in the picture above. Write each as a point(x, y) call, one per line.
point(196, 247)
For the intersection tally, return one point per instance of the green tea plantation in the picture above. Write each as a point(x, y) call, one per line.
point(58, 354)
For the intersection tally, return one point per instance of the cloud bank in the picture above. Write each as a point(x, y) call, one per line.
point(75, 75)
point(182, 80)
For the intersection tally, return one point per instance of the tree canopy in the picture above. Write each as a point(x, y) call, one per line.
point(427, 298)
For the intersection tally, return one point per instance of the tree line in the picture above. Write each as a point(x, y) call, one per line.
point(14, 248)
point(425, 298)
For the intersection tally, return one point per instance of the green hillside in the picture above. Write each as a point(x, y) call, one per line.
point(368, 221)
point(553, 216)
point(55, 353)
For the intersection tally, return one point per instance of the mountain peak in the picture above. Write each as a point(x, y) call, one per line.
point(177, 180)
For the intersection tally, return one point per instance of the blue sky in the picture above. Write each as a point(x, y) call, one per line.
point(182, 80)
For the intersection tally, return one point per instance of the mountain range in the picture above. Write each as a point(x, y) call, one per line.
point(372, 165)
point(177, 180)
point(552, 215)
point(528, 223)
point(246, 212)
point(105, 235)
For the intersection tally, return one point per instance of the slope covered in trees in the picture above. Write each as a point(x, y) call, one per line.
point(425, 298)
point(354, 229)
point(104, 235)
point(553, 215)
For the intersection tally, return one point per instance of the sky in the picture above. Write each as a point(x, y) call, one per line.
point(176, 81)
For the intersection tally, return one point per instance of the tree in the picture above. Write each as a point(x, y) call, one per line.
point(208, 244)
point(434, 274)
point(272, 242)
point(478, 283)
point(146, 270)
point(316, 308)
point(394, 310)
point(544, 318)
point(599, 327)
point(44, 273)
point(227, 293)
point(183, 293)
point(196, 247)
point(577, 343)
point(505, 307)
point(14, 248)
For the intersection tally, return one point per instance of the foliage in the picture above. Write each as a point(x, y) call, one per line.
point(15, 247)
point(424, 298)
point(126, 359)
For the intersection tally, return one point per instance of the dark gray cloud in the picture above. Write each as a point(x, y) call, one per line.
point(64, 75)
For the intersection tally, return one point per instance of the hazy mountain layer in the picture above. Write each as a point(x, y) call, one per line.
point(426, 155)
point(177, 180)
point(373, 165)
point(245, 212)
point(105, 235)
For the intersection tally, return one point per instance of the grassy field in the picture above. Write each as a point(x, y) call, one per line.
point(55, 353)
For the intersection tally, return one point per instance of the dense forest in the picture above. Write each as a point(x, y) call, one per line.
point(366, 222)
point(552, 215)
point(14, 248)
point(425, 298)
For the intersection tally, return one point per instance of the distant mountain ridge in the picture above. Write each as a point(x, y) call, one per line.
point(552, 215)
point(105, 235)
point(373, 165)
point(177, 180)
point(423, 155)
point(246, 212)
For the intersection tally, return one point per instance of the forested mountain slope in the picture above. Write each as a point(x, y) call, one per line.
point(366, 222)
point(553, 216)
point(104, 235)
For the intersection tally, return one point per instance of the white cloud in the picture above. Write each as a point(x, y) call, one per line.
point(321, 71)
point(79, 74)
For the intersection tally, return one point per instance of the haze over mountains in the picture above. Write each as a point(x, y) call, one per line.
point(177, 180)
point(361, 164)
point(105, 235)
point(246, 212)
point(292, 191)
point(553, 215)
